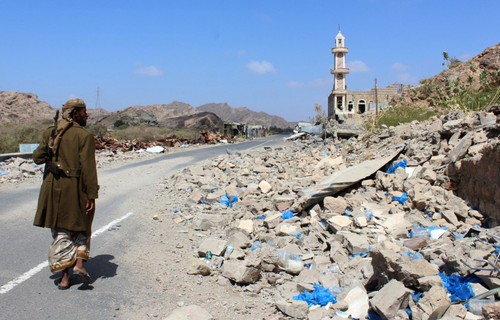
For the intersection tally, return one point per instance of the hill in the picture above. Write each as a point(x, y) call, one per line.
point(245, 115)
point(457, 84)
point(18, 107)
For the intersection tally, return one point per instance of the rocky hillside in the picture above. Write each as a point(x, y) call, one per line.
point(23, 107)
point(245, 115)
point(480, 73)
point(152, 115)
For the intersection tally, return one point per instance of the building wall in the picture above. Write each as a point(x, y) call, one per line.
point(359, 101)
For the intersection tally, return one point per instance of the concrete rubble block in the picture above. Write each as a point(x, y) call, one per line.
point(338, 223)
point(377, 210)
point(233, 191)
point(27, 168)
point(433, 304)
point(283, 203)
point(477, 148)
point(196, 196)
point(335, 205)
point(416, 243)
point(356, 243)
point(265, 186)
point(391, 298)
point(397, 225)
point(339, 254)
point(359, 272)
point(492, 310)
point(385, 264)
point(427, 282)
point(272, 220)
point(197, 171)
point(357, 302)
point(427, 174)
point(308, 276)
point(478, 289)
point(451, 217)
point(487, 117)
point(455, 312)
point(239, 272)
point(383, 181)
point(209, 221)
point(368, 183)
point(215, 246)
point(294, 308)
point(489, 280)
point(329, 163)
point(413, 269)
point(452, 125)
point(246, 225)
point(284, 229)
point(238, 239)
point(360, 222)
point(436, 161)
point(479, 137)
point(252, 188)
point(320, 314)
point(198, 266)
point(214, 197)
point(189, 313)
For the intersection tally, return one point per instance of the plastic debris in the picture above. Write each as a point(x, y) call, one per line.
point(256, 245)
point(287, 214)
point(458, 287)
point(228, 200)
point(393, 167)
point(319, 296)
point(155, 149)
point(413, 256)
point(401, 199)
point(290, 262)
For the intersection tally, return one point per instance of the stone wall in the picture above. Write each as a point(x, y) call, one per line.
point(478, 181)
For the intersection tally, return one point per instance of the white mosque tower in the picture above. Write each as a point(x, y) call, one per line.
point(337, 100)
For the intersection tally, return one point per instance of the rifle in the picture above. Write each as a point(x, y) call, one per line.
point(49, 166)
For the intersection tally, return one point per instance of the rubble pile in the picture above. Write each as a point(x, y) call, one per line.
point(297, 225)
point(108, 143)
point(111, 151)
point(16, 169)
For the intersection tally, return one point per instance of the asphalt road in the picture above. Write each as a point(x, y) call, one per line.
point(27, 289)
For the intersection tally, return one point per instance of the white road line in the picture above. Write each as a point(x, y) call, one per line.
point(10, 285)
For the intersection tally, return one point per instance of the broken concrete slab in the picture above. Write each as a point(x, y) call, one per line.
point(239, 272)
point(390, 299)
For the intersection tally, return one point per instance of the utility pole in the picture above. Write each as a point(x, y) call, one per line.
point(98, 99)
point(376, 98)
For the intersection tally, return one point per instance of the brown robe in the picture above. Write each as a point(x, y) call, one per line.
point(62, 199)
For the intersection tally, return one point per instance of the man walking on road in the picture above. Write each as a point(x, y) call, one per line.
point(66, 203)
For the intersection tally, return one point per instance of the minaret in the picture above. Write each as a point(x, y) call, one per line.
point(337, 103)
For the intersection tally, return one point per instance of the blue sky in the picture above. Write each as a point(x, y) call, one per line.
point(266, 55)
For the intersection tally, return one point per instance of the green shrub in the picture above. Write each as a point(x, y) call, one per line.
point(13, 134)
point(397, 115)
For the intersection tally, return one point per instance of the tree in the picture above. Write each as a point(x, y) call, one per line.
point(448, 61)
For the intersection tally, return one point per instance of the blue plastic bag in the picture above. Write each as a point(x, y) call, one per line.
point(228, 200)
point(458, 287)
point(401, 199)
point(319, 296)
point(287, 214)
point(392, 168)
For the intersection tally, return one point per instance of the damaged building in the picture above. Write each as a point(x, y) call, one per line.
point(344, 103)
